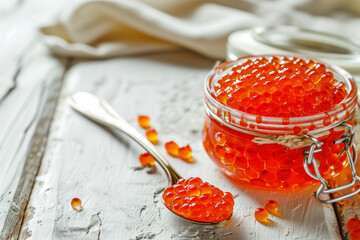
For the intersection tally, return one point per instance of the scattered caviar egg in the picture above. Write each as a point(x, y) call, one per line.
point(152, 136)
point(272, 207)
point(355, 235)
point(144, 121)
point(185, 152)
point(172, 148)
point(353, 224)
point(199, 201)
point(146, 159)
point(76, 204)
point(261, 215)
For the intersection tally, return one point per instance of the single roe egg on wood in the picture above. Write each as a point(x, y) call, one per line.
point(272, 207)
point(261, 215)
point(76, 204)
point(146, 159)
point(144, 121)
point(172, 148)
point(185, 152)
point(199, 201)
point(152, 136)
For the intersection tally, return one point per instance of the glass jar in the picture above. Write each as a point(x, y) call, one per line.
point(276, 152)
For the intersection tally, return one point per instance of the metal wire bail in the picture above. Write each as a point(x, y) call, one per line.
point(348, 139)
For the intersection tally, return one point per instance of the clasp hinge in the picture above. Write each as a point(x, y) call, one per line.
point(348, 139)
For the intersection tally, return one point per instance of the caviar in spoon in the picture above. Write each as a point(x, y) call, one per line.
point(199, 201)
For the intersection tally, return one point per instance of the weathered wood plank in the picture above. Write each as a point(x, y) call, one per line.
point(32, 164)
point(25, 71)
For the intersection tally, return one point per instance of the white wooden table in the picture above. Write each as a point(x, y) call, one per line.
point(81, 159)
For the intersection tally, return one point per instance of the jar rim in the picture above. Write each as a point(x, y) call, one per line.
point(274, 125)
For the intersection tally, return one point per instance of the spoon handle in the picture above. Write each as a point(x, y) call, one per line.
point(101, 112)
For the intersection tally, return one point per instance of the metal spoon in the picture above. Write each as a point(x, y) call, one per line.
point(101, 112)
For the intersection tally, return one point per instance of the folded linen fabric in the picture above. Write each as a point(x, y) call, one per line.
point(102, 29)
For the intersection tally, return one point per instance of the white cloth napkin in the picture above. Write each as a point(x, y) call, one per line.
point(103, 29)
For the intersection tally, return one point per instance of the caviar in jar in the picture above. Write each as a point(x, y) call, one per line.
point(255, 97)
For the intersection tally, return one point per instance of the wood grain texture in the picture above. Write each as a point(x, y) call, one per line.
point(37, 147)
point(121, 200)
point(26, 69)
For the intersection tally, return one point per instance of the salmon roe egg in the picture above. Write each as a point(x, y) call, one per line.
point(353, 224)
point(272, 207)
point(199, 201)
point(185, 152)
point(146, 159)
point(76, 204)
point(356, 187)
point(280, 87)
point(144, 121)
point(355, 235)
point(172, 148)
point(261, 215)
point(152, 135)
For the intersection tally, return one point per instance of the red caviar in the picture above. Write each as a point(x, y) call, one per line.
point(353, 224)
point(285, 87)
point(152, 136)
point(200, 201)
point(172, 148)
point(356, 187)
point(146, 159)
point(76, 204)
point(185, 152)
point(261, 215)
point(270, 96)
point(355, 235)
point(272, 207)
point(144, 121)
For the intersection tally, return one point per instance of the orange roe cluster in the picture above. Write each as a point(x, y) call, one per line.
point(261, 215)
point(272, 207)
point(146, 159)
point(199, 201)
point(152, 136)
point(144, 121)
point(76, 204)
point(353, 226)
point(280, 87)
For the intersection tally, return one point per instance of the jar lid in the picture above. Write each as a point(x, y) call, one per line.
point(335, 49)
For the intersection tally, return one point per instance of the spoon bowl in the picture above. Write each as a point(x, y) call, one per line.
point(100, 111)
